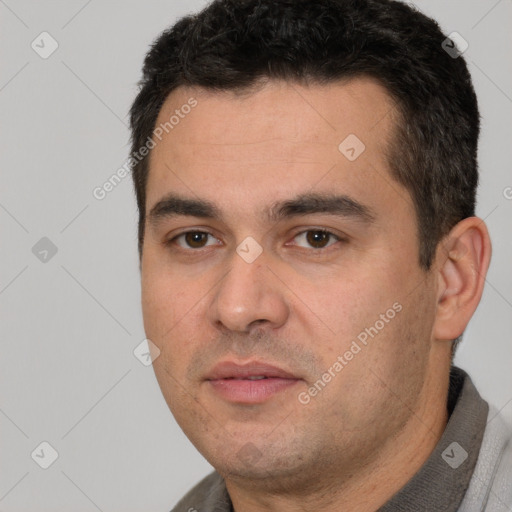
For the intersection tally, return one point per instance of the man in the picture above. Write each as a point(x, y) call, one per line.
point(305, 173)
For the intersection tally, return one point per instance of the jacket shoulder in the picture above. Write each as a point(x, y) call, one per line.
point(490, 488)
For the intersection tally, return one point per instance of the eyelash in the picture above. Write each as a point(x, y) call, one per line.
point(337, 238)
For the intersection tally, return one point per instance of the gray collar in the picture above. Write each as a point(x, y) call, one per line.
point(442, 481)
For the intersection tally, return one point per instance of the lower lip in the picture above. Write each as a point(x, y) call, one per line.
point(246, 391)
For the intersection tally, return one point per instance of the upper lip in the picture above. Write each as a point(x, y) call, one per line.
point(232, 370)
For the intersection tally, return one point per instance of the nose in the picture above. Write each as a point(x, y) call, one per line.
point(249, 296)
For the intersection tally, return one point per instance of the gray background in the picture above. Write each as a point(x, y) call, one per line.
point(70, 323)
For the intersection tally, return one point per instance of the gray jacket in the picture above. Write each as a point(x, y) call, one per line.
point(490, 488)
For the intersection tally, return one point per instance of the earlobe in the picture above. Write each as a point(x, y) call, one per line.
point(462, 261)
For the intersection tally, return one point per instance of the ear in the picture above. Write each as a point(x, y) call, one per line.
point(462, 260)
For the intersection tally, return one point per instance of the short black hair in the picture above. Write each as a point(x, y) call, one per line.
point(235, 44)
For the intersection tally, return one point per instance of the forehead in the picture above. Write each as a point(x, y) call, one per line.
point(283, 139)
point(313, 113)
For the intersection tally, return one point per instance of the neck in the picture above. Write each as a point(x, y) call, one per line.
point(369, 486)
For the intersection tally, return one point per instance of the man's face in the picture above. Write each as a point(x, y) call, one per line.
point(325, 299)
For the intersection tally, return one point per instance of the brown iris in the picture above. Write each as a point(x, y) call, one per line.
point(318, 239)
point(195, 239)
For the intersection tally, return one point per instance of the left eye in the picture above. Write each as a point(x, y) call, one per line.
point(194, 239)
point(317, 238)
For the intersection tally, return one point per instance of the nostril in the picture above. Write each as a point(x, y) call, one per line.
point(256, 323)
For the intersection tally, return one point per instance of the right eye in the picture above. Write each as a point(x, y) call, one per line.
point(192, 240)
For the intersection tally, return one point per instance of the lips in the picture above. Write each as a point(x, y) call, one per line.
point(249, 383)
point(231, 370)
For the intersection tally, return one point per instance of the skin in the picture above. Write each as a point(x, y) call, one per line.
point(299, 306)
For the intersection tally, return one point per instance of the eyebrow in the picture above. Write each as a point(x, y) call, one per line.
point(173, 205)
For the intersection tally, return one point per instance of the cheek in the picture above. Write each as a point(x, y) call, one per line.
point(395, 359)
point(161, 314)
point(173, 311)
point(381, 331)
point(385, 374)
point(165, 298)
point(348, 304)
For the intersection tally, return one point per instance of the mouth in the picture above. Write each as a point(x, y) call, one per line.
point(250, 383)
